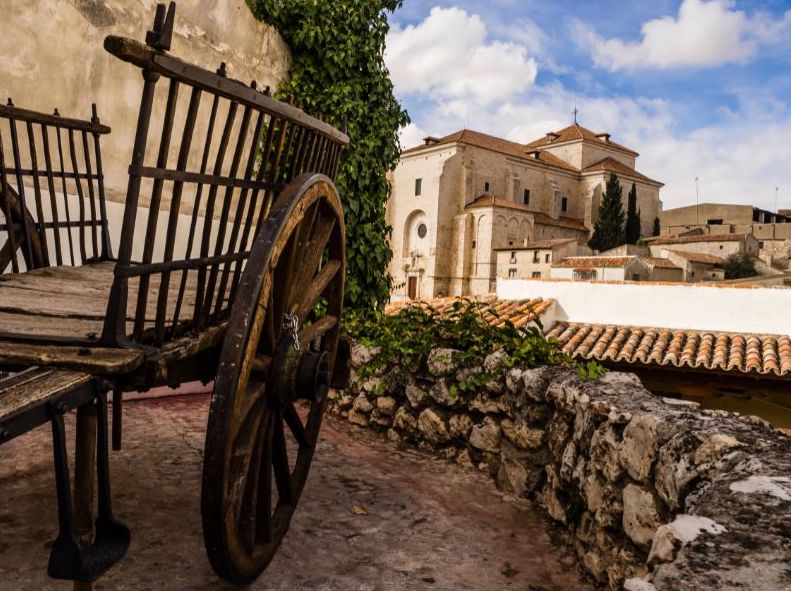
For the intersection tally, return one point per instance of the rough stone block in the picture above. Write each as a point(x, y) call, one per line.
point(486, 436)
point(460, 426)
point(416, 395)
point(362, 404)
point(521, 435)
point(386, 405)
point(442, 362)
point(640, 515)
point(432, 426)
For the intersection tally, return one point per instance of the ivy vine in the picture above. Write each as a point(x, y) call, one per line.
point(338, 72)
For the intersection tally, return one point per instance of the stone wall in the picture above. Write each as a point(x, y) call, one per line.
point(653, 493)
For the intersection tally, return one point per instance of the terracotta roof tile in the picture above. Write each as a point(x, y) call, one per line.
point(699, 238)
point(717, 351)
point(589, 262)
point(612, 165)
point(699, 257)
point(657, 262)
point(519, 312)
point(496, 144)
point(575, 132)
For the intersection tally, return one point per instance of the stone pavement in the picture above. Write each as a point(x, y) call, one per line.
point(429, 524)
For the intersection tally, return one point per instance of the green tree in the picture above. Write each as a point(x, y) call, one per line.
point(338, 71)
point(609, 229)
point(740, 265)
point(656, 227)
point(633, 230)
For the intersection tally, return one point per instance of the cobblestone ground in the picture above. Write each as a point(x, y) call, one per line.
point(430, 525)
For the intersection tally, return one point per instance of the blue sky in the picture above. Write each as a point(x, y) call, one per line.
point(698, 87)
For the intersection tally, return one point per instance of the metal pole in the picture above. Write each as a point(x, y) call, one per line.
point(84, 477)
point(697, 202)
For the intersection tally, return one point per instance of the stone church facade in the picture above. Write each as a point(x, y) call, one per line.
point(456, 199)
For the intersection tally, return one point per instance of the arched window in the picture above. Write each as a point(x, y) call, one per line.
point(417, 232)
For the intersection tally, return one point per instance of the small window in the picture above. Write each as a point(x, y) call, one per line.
point(513, 256)
point(585, 274)
point(418, 186)
point(536, 274)
point(547, 257)
point(564, 204)
point(473, 243)
point(714, 222)
point(422, 230)
point(760, 244)
point(517, 188)
point(536, 258)
point(510, 243)
point(486, 187)
point(511, 273)
point(635, 276)
point(526, 197)
point(720, 246)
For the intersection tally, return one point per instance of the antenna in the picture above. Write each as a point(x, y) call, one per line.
point(575, 111)
point(697, 201)
point(777, 189)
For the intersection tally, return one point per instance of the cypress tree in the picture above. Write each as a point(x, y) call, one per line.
point(609, 229)
point(633, 230)
point(656, 226)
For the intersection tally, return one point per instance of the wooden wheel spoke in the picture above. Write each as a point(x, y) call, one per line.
point(317, 329)
point(247, 508)
point(314, 250)
point(280, 462)
point(263, 510)
point(294, 423)
point(317, 287)
point(249, 415)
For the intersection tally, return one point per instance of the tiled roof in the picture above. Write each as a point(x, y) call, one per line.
point(575, 132)
point(489, 200)
point(700, 238)
point(657, 262)
point(612, 165)
point(541, 244)
point(593, 261)
point(699, 257)
point(496, 144)
point(519, 312)
point(715, 351)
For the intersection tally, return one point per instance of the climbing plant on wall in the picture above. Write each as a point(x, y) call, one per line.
point(338, 71)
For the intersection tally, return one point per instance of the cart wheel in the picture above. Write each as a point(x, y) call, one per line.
point(270, 390)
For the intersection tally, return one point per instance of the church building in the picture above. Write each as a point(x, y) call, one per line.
point(456, 200)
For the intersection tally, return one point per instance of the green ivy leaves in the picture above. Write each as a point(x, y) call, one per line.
point(338, 72)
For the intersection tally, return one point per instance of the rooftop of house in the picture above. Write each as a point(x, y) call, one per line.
point(659, 262)
point(739, 353)
point(518, 312)
point(665, 347)
point(700, 258)
point(590, 262)
point(612, 165)
point(658, 240)
point(576, 132)
point(541, 244)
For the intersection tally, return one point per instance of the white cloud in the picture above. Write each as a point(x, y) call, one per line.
point(448, 56)
point(411, 136)
point(706, 33)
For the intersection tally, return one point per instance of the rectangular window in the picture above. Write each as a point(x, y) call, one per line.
point(511, 273)
point(547, 258)
point(635, 276)
point(536, 274)
point(536, 258)
point(584, 274)
point(473, 243)
point(513, 256)
point(564, 204)
point(418, 186)
point(517, 188)
point(526, 197)
point(714, 222)
point(486, 187)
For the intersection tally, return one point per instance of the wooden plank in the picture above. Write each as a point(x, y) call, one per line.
point(35, 387)
point(99, 362)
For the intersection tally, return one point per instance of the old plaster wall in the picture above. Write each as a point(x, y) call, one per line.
point(53, 57)
point(653, 494)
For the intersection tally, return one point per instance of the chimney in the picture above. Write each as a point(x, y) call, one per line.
point(552, 136)
point(430, 141)
point(605, 137)
point(535, 154)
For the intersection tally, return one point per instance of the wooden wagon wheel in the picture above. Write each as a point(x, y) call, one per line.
point(292, 285)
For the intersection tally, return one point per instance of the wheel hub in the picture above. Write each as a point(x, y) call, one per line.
point(298, 374)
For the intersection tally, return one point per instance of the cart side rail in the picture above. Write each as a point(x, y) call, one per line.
point(52, 201)
point(210, 155)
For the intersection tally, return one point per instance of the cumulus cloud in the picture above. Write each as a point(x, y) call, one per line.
point(706, 33)
point(448, 56)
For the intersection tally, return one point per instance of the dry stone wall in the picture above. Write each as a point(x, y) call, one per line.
point(654, 494)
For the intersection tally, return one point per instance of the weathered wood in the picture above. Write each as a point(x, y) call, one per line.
point(99, 361)
point(35, 387)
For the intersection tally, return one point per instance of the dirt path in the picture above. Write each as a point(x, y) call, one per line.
point(430, 525)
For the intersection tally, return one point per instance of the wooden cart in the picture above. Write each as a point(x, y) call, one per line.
point(230, 268)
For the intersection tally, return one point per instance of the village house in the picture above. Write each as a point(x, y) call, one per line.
point(456, 200)
point(696, 266)
point(720, 245)
point(535, 260)
point(601, 268)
